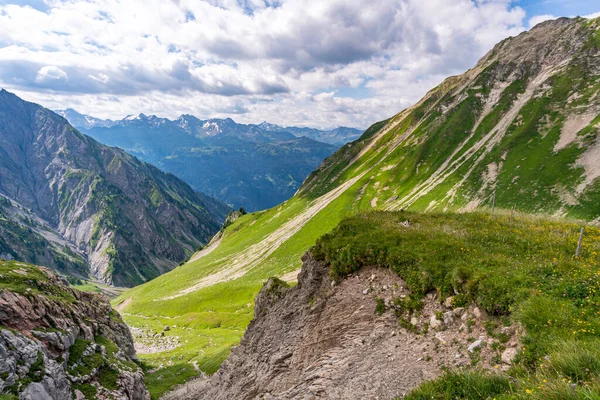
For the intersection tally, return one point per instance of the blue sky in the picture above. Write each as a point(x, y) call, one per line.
point(292, 62)
point(560, 7)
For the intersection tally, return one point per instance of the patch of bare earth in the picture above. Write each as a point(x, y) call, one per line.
point(572, 126)
point(590, 161)
point(148, 342)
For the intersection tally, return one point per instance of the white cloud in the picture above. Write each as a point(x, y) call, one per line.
point(592, 16)
point(540, 18)
point(319, 63)
point(50, 73)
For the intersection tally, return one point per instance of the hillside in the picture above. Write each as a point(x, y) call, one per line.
point(60, 343)
point(522, 123)
point(241, 165)
point(389, 300)
point(128, 221)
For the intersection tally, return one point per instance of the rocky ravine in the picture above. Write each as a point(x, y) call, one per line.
point(59, 343)
point(321, 340)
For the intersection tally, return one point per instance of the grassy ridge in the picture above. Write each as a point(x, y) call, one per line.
point(522, 272)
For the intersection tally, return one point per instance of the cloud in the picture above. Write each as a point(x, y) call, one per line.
point(318, 63)
point(50, 73)
point(540, 18)
point(592, 16)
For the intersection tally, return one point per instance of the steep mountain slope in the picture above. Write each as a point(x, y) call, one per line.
point(131, 221)
point(522, 123)
point(239, 164)
point(59, 343)
point(390, 299)
point(27, 237)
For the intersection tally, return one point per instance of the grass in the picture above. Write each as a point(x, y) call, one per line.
point(87, 287)
point(525, 271)
point(212, 320)
point(533, 178)
point(26, 279)
point(164, 379)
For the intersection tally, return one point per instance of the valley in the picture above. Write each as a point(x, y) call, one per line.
point(250, 166)
point(450, 251)
point(493, 129)
point(89, 210)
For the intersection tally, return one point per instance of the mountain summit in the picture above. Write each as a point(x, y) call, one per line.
point(126, 220)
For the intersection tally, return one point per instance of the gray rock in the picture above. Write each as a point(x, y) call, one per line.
point(434, 322)
point(475, 345)
point(448, 302)
point(448, 317)
point(509, 355)
point(28, 339)
point(459, 311)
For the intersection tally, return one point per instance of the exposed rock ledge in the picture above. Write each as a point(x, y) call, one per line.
point(321, 340)
point(60, 343)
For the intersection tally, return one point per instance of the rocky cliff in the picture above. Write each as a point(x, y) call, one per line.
point(60, 343)
point(341, 341)
point(130, 221)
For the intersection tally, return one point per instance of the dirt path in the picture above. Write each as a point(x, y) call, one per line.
point(290, 276)
point(239, 264)
point(123, 305)
point(207, 250)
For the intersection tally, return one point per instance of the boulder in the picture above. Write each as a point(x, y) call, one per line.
point(434, 322)
point(475, 345)
point(509, 355)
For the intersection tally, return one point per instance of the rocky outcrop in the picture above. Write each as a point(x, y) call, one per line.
point(60, 343)
point(131, 221)
point(343, 341)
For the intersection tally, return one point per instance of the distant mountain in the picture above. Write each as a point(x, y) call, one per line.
point(337, 137)
point(250, 166)
point(82, 207)
point(213, 127)
point(83, 122)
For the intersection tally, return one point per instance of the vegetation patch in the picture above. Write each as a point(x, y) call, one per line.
point(522, 269)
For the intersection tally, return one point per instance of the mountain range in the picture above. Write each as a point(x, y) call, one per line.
point(519, 131)
point(83, 208)
point(250, 166)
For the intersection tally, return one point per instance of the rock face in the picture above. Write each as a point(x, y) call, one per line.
point(60, 343)
point(342, 341)
point(128, 221)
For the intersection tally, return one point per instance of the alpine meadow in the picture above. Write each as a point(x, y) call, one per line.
point(450, 251)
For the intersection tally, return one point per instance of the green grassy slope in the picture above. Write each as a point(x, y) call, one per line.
point(521, 271)
point(495, 128)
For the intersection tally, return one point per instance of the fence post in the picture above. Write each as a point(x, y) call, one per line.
point(579, 243)
point(512, 213)
point(494, 201)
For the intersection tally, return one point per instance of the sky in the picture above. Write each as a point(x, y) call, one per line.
point(290, 62)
